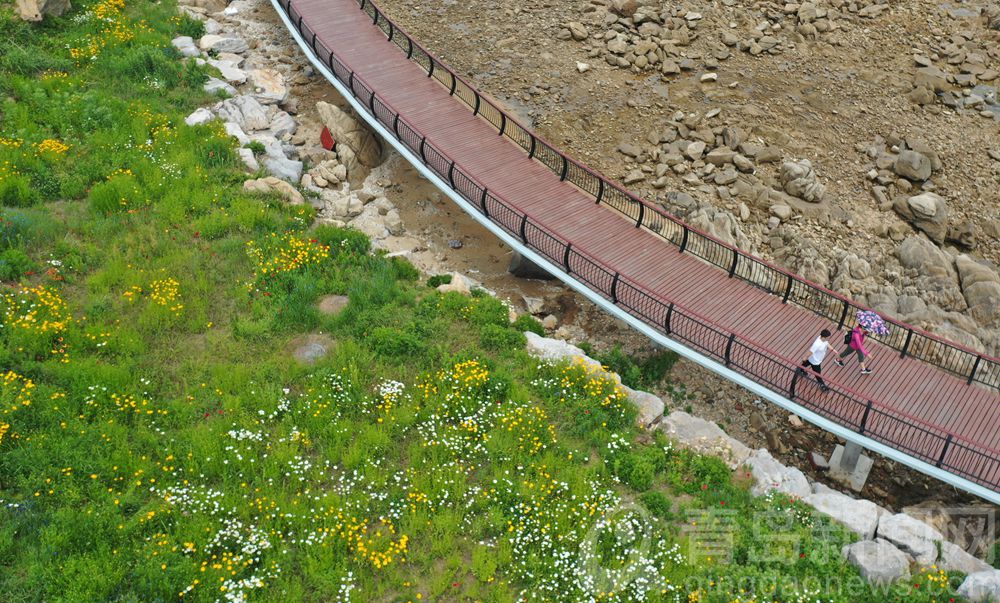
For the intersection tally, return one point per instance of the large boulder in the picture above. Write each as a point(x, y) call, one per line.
point(799, 180)
point(912, 536)
point(650, 406)
point(878, 561)
point(927, 212)
point(981, 587)
point(981, 288)
point(859, 516)
point(769, 474)
point(272, 185)
point(269, 86)
point(245, 111)
point(704, 437)
point(918, 253)
point(912, 166)
point(352, 133)
point(557, 350)
point(955, 558)
point(220, 43)
point(36, 10)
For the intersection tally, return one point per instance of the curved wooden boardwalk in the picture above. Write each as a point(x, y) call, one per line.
point(912, 405)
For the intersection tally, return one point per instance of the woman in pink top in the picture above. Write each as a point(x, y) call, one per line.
point(857, 345)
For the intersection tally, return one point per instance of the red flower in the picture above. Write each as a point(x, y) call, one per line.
point(704, 486)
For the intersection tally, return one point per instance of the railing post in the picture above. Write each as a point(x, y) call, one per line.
point(454, 83)
point(788, 288)
point(371, 105)
point(600, 190)
point(475, 108)
point(395, 126)
point(729, 348)
point(350, 83)
point(430, 60)
point(531, 151)
point(843, 316)
point(736, 259)
point(906, 345)
point(524, 229)
point(566, 257)
point(375, 18)
point(362, 4)
point(313, 43)
point(642, 212)
point(299, 25)
point(392, 31)
point(975, 367)
point(666, 322)
point(864, 418)
point(565, 169)
point(795, 379)
point(451, 174)
point(503, 122)
point(423, 141)
point(482, 203)
point(684, 239)
point(614, 289)
point(409, 47)
point(944, 451)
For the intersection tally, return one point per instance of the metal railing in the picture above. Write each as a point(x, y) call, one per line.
point(920, 439)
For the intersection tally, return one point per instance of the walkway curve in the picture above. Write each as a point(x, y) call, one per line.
point(650, 268)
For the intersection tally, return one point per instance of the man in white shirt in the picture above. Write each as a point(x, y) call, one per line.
point(820, 348)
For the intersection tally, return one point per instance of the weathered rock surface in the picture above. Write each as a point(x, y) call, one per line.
point(927, 212)
point(955, 558)
point(912, 536)
point(36, 10)
point(704, 437)
point(981, 288)
point(245, 111)
point(186, 46)
point(272, 185)
point(269, 85)
point(878, 561)
point(769, 475)
point(981, 587)
point(859, 516)
point(352, 133)
point(799, 180)
point(221, 43)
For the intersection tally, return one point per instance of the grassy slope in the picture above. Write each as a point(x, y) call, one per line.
point(158, 443)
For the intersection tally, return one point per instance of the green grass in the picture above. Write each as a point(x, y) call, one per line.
point(159, 443)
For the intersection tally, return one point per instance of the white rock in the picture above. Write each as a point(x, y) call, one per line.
point(272, 185)
point(710, 77)
point(229, 71)
point(582, 67)
point(912, 536)
point(248, 159)
point(859, 516)
point(214, 85)
point(269, 85)
point(372, 224)
point(769, 475)
point(650, 406)
point(284, 168)
point(234, 130)
point(199, 117)
point(704, 437)
point(878, 561)
point(217, 43)
point(282, 123)
point(954, 558)
point(186, 46)
point(981, 587)
point(244, 110)
point(556, 350)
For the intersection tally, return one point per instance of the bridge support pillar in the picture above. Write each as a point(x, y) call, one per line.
point(522, 267)
point(849, 466)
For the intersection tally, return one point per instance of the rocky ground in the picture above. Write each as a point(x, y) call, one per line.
point(805, 146)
